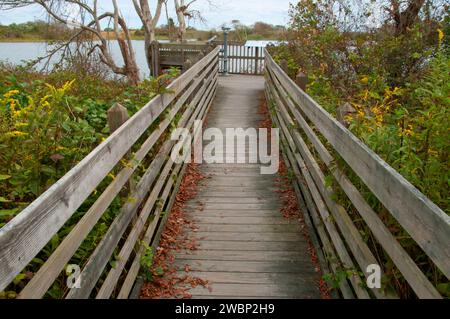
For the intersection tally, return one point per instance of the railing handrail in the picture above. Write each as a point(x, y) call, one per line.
point(22, 238)
point(426, 223)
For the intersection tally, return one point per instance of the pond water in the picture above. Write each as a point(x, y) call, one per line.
point(19, 52)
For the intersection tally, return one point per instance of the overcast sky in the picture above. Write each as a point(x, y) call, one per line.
point(216, 12)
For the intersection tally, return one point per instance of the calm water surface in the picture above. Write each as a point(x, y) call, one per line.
point(19, 52)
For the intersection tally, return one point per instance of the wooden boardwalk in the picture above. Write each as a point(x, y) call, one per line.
point(246, 248)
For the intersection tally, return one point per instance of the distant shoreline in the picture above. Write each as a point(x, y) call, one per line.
point(19, 40)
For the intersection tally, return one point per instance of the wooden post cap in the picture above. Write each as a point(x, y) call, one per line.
point(284, 66)
point(342, 111)
point(117, 115)
point(302, 80)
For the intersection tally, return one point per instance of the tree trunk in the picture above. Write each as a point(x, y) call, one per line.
point(180, 9)
point(406, 19)
point(143, 10)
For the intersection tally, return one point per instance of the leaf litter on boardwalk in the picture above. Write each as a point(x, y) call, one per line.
point(175, 238)
point(290, 208)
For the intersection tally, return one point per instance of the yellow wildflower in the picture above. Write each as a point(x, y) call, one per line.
point(15, 134)
point(10, 93)
point(440, 35)
point(407, 131)
point(361, 114)
point(365, 79)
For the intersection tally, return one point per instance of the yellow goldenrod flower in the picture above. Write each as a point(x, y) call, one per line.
point(15, 134)
point(10, 93)
point(365, 79)
point(440, 35)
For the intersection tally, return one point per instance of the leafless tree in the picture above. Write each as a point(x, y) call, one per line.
point(87, 23)
point(149, 23)
point(184, 11)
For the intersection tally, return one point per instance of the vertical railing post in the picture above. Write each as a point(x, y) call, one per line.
point(225, 50)
point(256, 60)
point(284, 66)
point(117, 115)
point(302, 80)
point(154, 52)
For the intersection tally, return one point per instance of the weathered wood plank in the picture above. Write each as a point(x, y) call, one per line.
point(231, 206)
point(230, 236)
point(244, 255)
point(276, 228)
point(248, 278)
point(228, 213)
point(258, 290)
point(250, 245)
point(273, 266)
point(242, 220)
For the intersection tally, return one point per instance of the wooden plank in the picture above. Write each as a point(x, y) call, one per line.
point(234, 220)
point(235, 200)
point(273, 266)
point(231, 206)
point(227, 213)
point(249, 245)
point(243, 255)
point(421, 218)
point(257, 290)
point(25, 235)
point(247, 278)
point(228, 236)
point(261, 228)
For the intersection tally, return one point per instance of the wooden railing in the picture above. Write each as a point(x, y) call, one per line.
point(182, 55)
point(244, 59)
point(140, 219)
point(312, 140)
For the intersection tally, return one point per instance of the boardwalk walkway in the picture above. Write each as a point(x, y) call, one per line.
point(246, 247)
